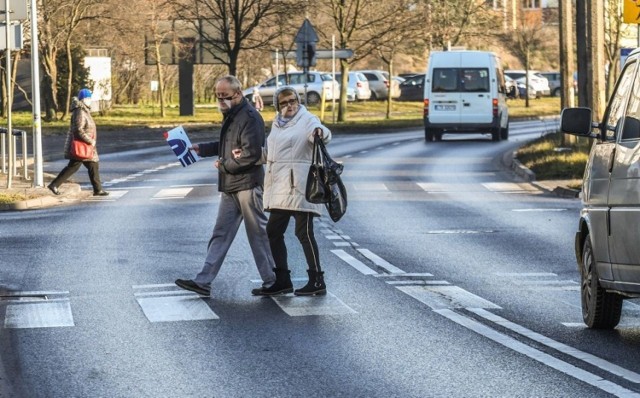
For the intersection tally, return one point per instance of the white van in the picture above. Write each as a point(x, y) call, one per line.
point(464, 92)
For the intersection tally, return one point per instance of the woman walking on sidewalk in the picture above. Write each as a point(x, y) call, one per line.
point(82, 128)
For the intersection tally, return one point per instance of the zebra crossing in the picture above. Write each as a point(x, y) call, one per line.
point(395, 190)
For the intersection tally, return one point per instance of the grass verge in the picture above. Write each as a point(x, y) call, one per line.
point(551, 158)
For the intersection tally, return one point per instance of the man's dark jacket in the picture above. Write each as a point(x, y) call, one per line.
point(242, 127)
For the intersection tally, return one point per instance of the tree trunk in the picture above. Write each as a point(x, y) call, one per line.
point(67, 102)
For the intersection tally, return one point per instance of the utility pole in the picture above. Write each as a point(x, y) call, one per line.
point(582, 52)
point(597, 89)
point(567, 58)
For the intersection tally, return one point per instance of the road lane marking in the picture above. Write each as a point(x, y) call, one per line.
point(539, 210)
point(460, 231)
point(370, 186)
point(417, 282)
point(380, 262)
point(406, 275)
point(544, 358)
point(352, 261)
point(563, 348)
point(440, 297)
point(309, 306)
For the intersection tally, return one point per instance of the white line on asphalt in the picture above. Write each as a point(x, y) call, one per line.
point(352, 261)
point(417, 282)
point(545, 359)
point(344, 244)
point(193, 185)
point(380, 262)
point(525, 274)
point(405, 275)
point(538, 210)
point(565, 349)
point(173, 193)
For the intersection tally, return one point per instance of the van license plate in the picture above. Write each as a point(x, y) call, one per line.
point(445, 107)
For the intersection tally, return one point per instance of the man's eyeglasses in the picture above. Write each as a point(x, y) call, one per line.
point(226, 98)
point(292, 101)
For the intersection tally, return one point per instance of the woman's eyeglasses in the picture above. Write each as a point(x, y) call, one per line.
point(292, 101)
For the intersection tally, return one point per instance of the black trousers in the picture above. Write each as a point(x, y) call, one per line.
point(72, 167)
point(277, 226)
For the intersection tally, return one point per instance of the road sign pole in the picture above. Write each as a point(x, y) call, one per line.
point(38, 179)
point(12, 157)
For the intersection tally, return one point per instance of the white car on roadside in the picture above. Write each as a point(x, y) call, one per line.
point(317, 82)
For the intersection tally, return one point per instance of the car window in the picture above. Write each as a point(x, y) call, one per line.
point(371, 76)
point(616, 110)
point(327, 77)
point(631, 126)
point(445, 80)
point(475, 80)
point(271, 82)
point(516, 75)
point(385, 75)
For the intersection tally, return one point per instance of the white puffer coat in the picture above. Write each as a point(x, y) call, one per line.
point(289, 153)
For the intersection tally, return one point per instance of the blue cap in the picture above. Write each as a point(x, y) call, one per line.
point(84, 93)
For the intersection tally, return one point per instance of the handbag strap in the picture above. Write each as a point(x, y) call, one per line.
point(317, 155)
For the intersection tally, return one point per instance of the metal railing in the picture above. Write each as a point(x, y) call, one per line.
point(15, 134)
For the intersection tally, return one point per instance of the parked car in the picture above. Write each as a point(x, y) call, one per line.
point(516, 89)
point(539, 83)
point(317, 81)
point(607, 244)
point(357, 86)
point(553, 78)
point(412, 89)
point(379, 84)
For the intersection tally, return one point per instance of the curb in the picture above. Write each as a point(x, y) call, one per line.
point(510, 161)
point(68, 196)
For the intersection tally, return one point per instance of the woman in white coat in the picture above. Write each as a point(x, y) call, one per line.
point(289, 153)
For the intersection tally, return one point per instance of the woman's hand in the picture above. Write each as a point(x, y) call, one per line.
point(318, 132)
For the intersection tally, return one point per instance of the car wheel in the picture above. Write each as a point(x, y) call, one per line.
point(374, 97)
point(556, 92)
point(600, 309)
point(313, 98)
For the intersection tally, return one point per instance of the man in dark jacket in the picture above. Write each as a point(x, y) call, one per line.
point(240, 182)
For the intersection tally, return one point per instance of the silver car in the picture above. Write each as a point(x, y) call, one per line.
point(379, 83)
point(357, 86)
point(317, 82)
point(607, 243)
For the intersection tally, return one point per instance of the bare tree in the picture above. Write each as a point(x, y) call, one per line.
point(613, 31)
point(525, 42)
point(229, 26)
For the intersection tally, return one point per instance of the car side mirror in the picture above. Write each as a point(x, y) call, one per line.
point(577, 121)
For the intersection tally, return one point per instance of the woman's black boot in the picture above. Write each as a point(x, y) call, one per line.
point(315, 286)
point(282, 284)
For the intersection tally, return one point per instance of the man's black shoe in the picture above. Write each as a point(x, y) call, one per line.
point(101, 193)
point(190, 285)
point(53, 189)
point(271, 291)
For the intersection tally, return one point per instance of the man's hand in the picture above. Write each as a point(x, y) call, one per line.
point(196, 148)
point(216, 164)
point(236, 153)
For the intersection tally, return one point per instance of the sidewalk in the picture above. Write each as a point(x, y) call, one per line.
point(38, 197)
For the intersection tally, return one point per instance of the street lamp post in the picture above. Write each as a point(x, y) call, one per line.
point(38, 179)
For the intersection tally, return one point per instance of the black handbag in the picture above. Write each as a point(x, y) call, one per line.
point(337, 203)
point(316, 190)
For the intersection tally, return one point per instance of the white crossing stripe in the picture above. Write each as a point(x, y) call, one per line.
point(371, 186)
point(39, 314)
point(440, 297)
point(172, 193)
point(508, 187)
point(380, 262)
point(312, 305)
point(417, 282)
point(352, 261)
point(539, 210)
point(171, 305)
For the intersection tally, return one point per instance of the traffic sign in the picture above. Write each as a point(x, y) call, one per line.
point(306, 40)
point(631, 12)
point(306, 33)
point(342, 53)
point(17, 10)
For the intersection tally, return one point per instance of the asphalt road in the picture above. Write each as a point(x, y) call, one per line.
point(447, 277)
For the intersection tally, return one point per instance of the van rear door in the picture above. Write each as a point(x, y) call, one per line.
point(477, 106)
point(445, 102)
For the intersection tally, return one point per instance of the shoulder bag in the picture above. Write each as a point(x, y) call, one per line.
point(80, 150)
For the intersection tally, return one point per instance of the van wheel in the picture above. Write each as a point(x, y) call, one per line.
point(600, 309)
point(428, 136)
point(495, 134)
point(504, 133)
point(313, 98)
point(438, 137)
